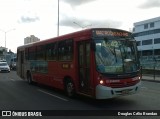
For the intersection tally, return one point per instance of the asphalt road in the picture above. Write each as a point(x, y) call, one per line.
point(17, 94)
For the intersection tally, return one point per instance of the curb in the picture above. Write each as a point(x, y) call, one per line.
point(157, 81)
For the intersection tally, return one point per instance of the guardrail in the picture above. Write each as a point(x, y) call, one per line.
point(151, 70)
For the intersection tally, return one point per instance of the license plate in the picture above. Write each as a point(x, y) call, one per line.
point(124, 92)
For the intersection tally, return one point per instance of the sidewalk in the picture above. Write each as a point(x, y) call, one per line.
point(151, 78)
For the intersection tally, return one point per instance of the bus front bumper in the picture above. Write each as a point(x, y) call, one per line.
point(103, 92)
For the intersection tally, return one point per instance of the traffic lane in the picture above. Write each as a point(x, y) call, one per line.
point(150, 94)
point(79, 102)
point(125, 102)
point(17, 94)
point(42, 97)
point(155, 86)
point(101, 104)
point(146, 99)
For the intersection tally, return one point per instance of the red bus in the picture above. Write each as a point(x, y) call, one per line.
point(99, 62)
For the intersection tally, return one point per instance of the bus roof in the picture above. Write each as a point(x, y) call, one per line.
point(67, 36)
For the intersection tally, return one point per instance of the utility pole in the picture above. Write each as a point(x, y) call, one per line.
point(58, 21)
point(5, 33)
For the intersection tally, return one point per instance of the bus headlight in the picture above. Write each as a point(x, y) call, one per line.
point(101, 82)
point(139, 78)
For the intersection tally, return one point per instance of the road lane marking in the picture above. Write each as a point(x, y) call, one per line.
point(144, 88)
point(52, 95)
point(150, 90)
point(12, 79)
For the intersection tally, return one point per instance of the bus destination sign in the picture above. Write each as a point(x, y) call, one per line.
point(111, 33)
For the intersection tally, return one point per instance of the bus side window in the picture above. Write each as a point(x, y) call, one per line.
point(40, 52)
point(51, 51)
point(61, 46)
point(69, 49)
point(65, 50)
point(32, 53)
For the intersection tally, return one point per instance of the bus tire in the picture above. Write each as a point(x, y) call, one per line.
point(29, 78)
point(70, 89)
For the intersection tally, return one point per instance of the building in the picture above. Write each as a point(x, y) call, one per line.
point(10, 55)
point(3, 52)
point(31, 39)
point(147, 35)
point(6, 56)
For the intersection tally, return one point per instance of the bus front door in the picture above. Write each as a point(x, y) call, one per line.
point(84, 67)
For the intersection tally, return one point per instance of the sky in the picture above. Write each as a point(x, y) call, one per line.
point(22, 18)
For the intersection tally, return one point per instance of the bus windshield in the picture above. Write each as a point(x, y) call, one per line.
point(116, 56)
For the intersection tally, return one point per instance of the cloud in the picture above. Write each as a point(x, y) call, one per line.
point(75, 3)
point(28, 19)
point(89, 23)
point(150, 4)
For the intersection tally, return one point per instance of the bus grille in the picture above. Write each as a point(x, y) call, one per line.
point(123, 84)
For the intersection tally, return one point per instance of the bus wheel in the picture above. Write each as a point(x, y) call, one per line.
point(29, 78)
point(70, 88)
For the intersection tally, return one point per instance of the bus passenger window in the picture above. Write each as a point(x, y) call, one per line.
point(32, 53)
point(40, 53)
point(65, 50)
point(51, 51)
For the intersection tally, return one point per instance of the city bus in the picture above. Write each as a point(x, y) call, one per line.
point(100, 63)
